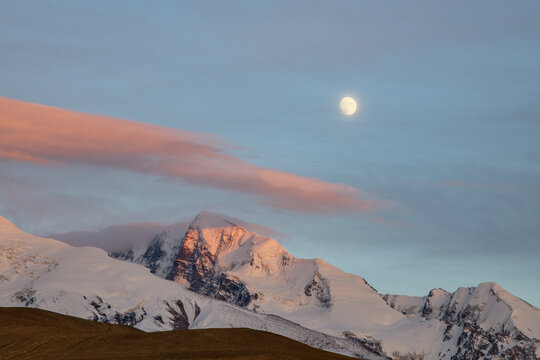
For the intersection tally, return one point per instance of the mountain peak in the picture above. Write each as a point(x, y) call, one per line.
point(207, 219)
point(7, 226)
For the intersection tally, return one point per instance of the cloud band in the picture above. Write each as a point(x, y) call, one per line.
point(52, 136)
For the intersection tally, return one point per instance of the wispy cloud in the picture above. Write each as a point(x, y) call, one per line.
point(51, 136)
point(121, 237)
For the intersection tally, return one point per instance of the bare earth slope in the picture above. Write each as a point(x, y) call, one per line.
point(27, 333)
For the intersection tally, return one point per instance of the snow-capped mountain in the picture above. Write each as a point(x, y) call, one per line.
point(482, 320)
point(158, 256)
point(223, 260)
point(85, 282)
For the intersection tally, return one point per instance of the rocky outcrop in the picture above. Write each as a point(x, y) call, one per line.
point(320, 288)
point(158, 256)
point(104, 312)
point(480, 322)
point(196, 263)
point(179, 319)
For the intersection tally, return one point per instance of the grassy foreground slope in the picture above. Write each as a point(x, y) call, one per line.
point(27, 333)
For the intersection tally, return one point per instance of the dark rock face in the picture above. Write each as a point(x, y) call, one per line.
point(179, 320)
point(192, 260)
point(475, 343)
point(462, 326)
point(225, 288)
point(26, 296)
point(319, 287)
point(128, 256)
point(155, 252)
point(103, 313)
point(130, 318)
point(197, 311)
point(196, 264)
point(158, 255)
point(371, 344)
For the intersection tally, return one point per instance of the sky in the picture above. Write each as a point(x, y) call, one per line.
point(151, 111)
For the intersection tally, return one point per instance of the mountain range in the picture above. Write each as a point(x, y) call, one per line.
point(216, 274)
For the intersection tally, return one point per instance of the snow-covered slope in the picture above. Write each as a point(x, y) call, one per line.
point(158, 255)
point(482, 320)
point(87, 283)
point(223, 260)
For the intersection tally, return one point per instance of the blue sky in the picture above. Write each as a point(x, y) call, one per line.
point(448, 131)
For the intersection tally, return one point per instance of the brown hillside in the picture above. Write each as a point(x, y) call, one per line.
point(37, 334)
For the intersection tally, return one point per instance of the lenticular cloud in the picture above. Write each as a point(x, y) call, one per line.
point(50, 136)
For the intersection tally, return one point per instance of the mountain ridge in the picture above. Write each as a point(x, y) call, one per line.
point(229, 263)
point(308, 300)
point(85, 282)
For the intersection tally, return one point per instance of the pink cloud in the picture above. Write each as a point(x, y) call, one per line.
point(51, 136)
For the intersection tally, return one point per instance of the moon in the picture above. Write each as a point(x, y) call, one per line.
point(348, 106)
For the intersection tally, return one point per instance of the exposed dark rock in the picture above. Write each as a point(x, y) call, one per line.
point(26, 296)
point(196, 263)
point(286, 260)
point(179, 320)
point(155, 252)
point(373, 345)
point(231, 290)
point(102, 312)
point(128, 256)
point(197, 311)
point(462, 326)
point(448, 332)
point(321, 288)
point(130, 318)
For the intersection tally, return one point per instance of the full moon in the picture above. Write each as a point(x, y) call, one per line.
point(348, 106)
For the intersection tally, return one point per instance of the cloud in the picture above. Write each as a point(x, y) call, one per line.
point(56, 137)
point(121, 237)
point(256, 228)
point(26, 194)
